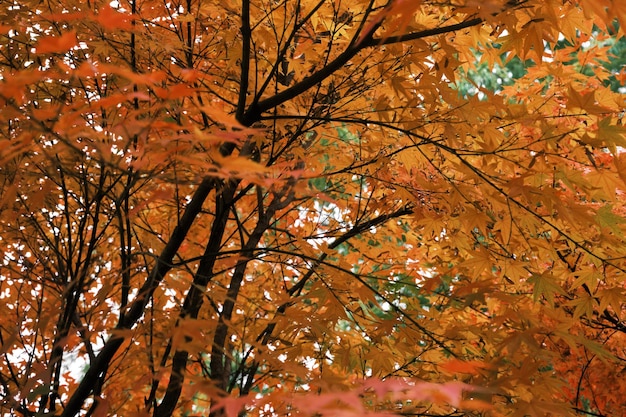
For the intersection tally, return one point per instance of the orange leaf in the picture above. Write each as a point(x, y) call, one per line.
point(102, 408)
point(57, 44)
point(464, 367)
point(109, 18)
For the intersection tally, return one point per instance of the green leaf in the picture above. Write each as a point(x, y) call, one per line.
point(545, 286)
point(583, 306)
point(607, 219)
point(609, 135)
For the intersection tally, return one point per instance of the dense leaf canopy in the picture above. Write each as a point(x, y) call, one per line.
point(312, 207)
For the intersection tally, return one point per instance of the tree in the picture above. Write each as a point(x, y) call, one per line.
point(291, 207)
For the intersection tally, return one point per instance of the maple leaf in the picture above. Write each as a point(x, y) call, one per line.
point(466, 367)
point(609, 134)
point(110, 18)
point(584, 101)
point(606, 218)
point(611, 297)
point(584, 306)
point(545, 286)
point(231, 406)
point(56, 44)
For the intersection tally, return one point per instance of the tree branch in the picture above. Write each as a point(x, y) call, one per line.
point(421, 34)
point(246, 35)
point(265, 335)
point(136, 310)
point(255, 111)
point(194, 298)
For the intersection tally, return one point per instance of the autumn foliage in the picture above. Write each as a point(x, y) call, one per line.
point(312, 207)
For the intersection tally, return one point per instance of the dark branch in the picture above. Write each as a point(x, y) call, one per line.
point(422, 34)
point(246, 35)
point(136, 310)
point(255, 111)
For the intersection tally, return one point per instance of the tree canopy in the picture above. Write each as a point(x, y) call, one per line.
point(312, 207)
